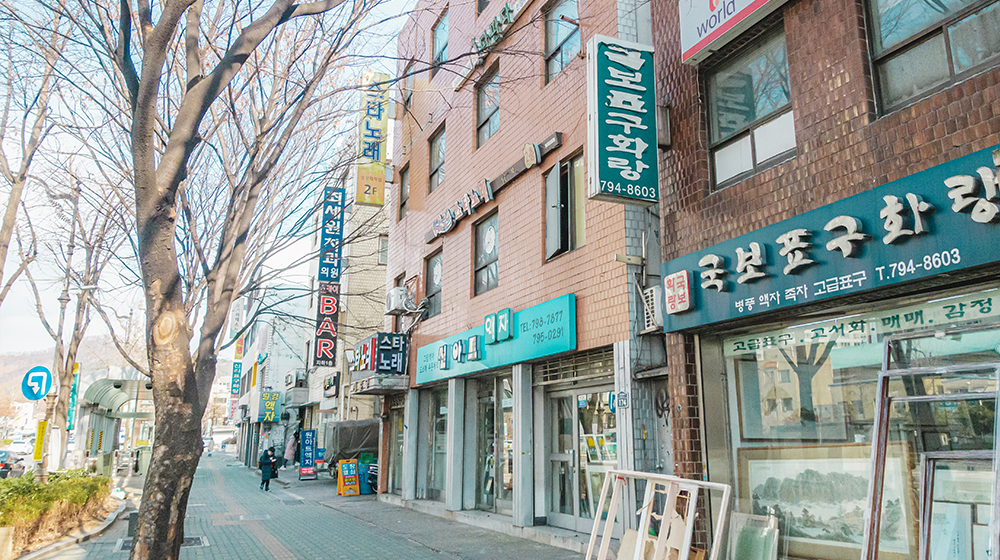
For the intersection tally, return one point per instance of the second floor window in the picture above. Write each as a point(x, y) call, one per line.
point(408, 87)
point(440, 43)
point(437, 160)
point(488, 107)
point(404, 192)
point(487, 265)
point(565, 197)
point(920, 45)
point(432, 285)
point(750, 110)
point(383, 249)
point(562, 37)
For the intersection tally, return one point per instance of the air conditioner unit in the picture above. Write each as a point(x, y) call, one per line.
point(652, 305)
point(397, 300)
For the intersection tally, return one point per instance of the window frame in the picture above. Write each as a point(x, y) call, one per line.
point(403, 196)
point(491, 76)
point(919, 37)
point(383, 249)
point(439, 254)
point(569, 227)
point(438, 57)
point(407, 86)
point(435, 172)
point(747, 130)
point(475, 253)
point(558, 48)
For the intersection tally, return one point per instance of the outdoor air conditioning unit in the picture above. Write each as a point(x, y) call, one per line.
point(397, 300)
point(652, 305)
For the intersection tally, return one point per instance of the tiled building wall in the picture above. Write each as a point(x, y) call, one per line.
point(844, 146)
point(530, 111)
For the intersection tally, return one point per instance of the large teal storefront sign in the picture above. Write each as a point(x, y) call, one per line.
point(938, 221)
point(503, 339)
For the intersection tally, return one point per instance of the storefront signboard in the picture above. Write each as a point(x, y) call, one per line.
point(380, 354)
point(307, 461)
point(269, 406)
point(543, 330)
point(621, 122)
point(234, 388)
point(372, 133)
point(707, 25)
point(939, 221)
point(348, 482)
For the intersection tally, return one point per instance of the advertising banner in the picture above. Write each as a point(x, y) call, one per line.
point(307, 460)
point(707, 25)
point(621, 124)
point(269, 406)
point(71, 413)
point(372, 132)
point(327, 313)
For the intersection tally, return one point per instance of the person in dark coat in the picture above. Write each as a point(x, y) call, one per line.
point(268, 469)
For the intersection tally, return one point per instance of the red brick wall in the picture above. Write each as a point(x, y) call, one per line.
point(530, 111)
point(843, 145)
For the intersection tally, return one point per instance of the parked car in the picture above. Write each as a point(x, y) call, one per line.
point(11, 465)
point(20, 447)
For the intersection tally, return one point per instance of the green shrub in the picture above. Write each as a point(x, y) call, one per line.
point(23, 499)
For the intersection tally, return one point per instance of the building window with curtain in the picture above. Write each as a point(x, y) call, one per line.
point(920, 46)
point(751, 124)
point(432, 284)
point(488, 107)
point(487, 266)
point(565, 198)
point(440, 43)
point(562, 37)
point(437, 160)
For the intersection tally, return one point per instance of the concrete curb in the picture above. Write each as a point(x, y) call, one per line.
point(56, 546)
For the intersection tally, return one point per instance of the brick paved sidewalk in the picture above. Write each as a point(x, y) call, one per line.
point(307, 521)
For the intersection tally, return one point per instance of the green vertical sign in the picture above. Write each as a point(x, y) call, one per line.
point(71, 413)
point(621, 131)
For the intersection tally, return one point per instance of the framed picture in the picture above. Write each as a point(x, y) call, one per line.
point(774, 407)
point(820, 493)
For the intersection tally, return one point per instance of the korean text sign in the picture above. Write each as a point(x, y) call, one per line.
point(269, 406)
point(372, 132)
point(940, 220)
point(327, 314)
point(307, 462)
point(621, 132)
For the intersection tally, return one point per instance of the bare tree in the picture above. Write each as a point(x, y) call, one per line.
point(24, 122)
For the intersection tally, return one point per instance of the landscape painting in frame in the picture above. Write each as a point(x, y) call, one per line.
point(819, 494)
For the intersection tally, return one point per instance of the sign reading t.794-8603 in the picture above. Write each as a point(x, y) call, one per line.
point(941, 220)
point(621, 129)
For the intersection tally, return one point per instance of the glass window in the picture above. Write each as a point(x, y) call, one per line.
point(440, 43)
point(912, 40)
point(437, 160)
point(562, 37)
point(408, 87)
point(404, 192)
point(481, 5)
point(803, 402)
point(487, 254)
point(488, 107)
point(565, 202)
point(750, 116)
point(383, 249)
point(432, 290)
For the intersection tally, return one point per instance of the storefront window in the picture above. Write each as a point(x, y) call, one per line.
point(803, 406)
point(439, 444)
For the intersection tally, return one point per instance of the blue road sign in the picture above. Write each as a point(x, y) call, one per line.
point(36, 383)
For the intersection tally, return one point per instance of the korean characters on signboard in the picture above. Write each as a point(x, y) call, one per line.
point(372, 131)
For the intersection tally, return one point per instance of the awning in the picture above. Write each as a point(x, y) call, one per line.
point(380, 385)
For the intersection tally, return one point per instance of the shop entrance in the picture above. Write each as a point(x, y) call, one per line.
point(494, 445)
point(395, 482)
point(583, 446)
point(934, 476)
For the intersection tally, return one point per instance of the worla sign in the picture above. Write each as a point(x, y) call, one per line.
point(706, 25)
point(621, 122)
point(372, 132)
point(269, 406)
point(940, 221)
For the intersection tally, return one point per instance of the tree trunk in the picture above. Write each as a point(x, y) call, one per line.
point(7, 226)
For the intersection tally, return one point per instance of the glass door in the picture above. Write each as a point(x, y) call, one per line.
point(583, 448)
point(396, 451)
point(494, 445)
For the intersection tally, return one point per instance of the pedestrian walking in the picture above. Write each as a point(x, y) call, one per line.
point(289, 451)
point(268, 469)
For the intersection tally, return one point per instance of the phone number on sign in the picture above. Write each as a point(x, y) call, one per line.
point(631, 190)
point(551, 334)
point(933, 261)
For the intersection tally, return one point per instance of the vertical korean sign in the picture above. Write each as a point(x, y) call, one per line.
point(328, 298)
point(621, 122)
point(269, 406)
point(307, 462)
point(71, 413)
point(372, 131)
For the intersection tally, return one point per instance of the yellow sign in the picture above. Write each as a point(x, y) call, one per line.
point(268, 406)
point(372, 131)
point(348, 480)
point(40, 434)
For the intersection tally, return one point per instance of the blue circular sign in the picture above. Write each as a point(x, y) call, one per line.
point(36, 383)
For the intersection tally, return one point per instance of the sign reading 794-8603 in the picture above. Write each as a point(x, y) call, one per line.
point(621, 129)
